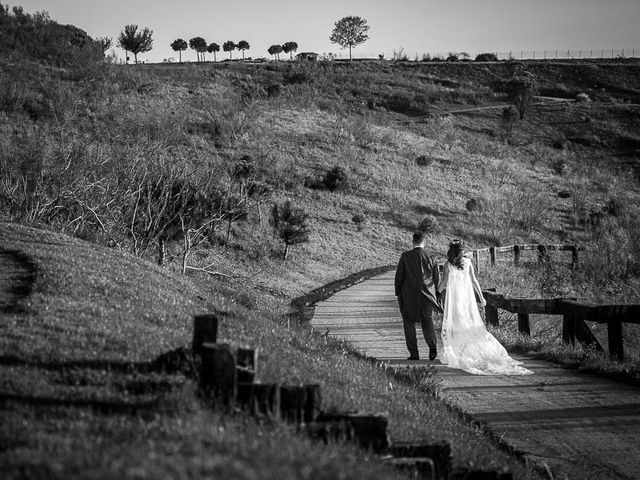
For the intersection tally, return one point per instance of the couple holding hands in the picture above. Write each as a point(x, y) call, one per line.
point(421, 289)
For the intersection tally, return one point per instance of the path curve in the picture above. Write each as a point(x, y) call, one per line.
point(17, 275)
point(579, 425)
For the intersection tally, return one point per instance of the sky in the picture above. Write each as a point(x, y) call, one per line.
point(416, 26)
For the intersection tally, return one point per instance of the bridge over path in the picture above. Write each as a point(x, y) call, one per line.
point(580, 425)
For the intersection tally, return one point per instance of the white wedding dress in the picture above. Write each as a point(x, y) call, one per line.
point(467, 343)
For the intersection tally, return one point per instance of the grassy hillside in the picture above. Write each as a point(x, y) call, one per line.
point(194, 156)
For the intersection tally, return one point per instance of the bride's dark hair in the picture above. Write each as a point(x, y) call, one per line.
point(454, 255)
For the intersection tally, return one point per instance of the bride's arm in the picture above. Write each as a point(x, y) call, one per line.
point(445, 275)
point(476, 285)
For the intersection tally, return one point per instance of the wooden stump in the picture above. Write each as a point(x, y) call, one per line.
point(492, 254)
point(516, 254)
point(417, 468)
point(312, 403)
point(523, 324)
point(574, 256)
point(205, 330)
point(259, 399)
point(292, 403)
point(614, 335)
point(439, 453)
point(367, 430)
point(246, 360)
point(218, 374)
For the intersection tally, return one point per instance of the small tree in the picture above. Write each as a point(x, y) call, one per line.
point(242, 46)
point(229, 46)
point(213, 48)
point(131, 40)
point(289, 48)
point(199, 44)
point(275, 50)
point(350, 32)
point(521, 90)
point(290, 225)
point(179, 45)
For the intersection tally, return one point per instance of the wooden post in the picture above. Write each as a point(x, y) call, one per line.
point(369, 431)
point(292, 403)
point(491, 314)
point(312, 403)
point(492, 254)
point(523, 324)
point(614, 334)
point(218, 373)
point(247, 359)
point(259, 399)
point(569, 330)
point(440, 453)
point(476, 256)
point(205, 330)
point(516, 254)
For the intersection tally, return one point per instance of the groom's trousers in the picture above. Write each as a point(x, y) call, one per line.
point(425, 319)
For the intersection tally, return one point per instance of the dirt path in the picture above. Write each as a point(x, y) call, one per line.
point(580, 425)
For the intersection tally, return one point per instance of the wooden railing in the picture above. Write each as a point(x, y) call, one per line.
point(518, 250)
point(573, 313)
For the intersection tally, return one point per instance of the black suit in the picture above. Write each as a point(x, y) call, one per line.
point(416, 282)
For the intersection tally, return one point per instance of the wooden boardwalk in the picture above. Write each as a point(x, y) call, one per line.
point(581, 426)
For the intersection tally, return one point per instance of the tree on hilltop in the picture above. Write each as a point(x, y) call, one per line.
point(134, 41)
point(179, 45)
point(290, 47)
point(242, 46)
point(229, 46)
point(213, 48)
point(350, 32)
point(521, 89)
point(275, 50)
point(199, 44)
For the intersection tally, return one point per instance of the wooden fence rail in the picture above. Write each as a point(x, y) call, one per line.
point(573, 313)
point(517, 251)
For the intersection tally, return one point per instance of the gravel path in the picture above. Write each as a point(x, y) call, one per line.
point(581, 426)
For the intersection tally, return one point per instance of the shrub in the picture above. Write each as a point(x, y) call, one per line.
point(486, 57)
point(474, 205)
point(429, 225)
point(520, 90)
point(335, 179)
point(424, 160)
point(360, 219)
point(509, 118)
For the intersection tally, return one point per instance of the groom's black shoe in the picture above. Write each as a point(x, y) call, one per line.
point(433, 353)
point(413, 358)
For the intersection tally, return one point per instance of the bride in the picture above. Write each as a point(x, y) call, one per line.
point(467, 343)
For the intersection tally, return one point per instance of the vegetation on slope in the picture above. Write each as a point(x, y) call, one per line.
point(194, 157)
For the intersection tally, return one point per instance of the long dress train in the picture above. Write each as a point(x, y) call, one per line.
point(467, 343)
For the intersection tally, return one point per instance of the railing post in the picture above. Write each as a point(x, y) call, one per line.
point(574, 256)
point(614, 334)
point(491, 314)
point(542, 253)
point(516, 254)
point(569, 330)
point(492, 253)
point(523, 324)
point(476, 257)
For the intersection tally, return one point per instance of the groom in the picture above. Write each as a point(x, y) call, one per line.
point(416, 283)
